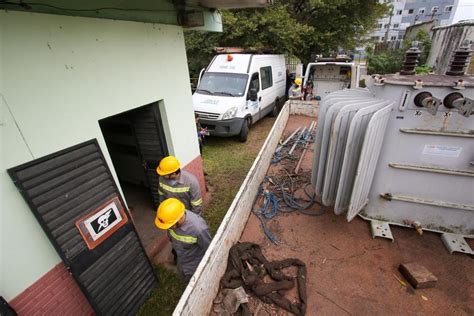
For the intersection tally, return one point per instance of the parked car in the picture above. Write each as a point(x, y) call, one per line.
point(237, 90)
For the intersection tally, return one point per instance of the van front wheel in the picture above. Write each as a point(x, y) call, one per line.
point(244, 132)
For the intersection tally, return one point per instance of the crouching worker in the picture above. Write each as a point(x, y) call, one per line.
point(188, 233)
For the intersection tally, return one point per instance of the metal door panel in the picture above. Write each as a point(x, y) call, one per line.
point(368, 160)
point(352, 152)
point(72, 184)
point(150, 138)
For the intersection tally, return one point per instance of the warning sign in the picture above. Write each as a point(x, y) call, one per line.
point(102, 222)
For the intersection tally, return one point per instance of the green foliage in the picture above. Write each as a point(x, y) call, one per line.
point(387, 61)
point(423, 69)
point(293, 27)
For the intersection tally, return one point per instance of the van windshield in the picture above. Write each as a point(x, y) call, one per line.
point(225, 84)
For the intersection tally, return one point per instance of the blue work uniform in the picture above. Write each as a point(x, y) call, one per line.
point(186, 189)
point(190, 241)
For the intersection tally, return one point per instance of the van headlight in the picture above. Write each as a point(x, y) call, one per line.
point(230, 113)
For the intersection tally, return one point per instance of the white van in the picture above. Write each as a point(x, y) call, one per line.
point(327, 75)
point(236, 90)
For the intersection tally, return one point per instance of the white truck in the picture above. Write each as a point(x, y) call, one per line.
point(237, 90)
point(327, 75)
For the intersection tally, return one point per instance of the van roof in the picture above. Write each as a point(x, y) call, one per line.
point(233, 63)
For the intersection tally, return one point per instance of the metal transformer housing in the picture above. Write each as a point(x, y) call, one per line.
point(425, 170)
point(395, 154)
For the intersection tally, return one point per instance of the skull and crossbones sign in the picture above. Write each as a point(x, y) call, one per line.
point(103, 220)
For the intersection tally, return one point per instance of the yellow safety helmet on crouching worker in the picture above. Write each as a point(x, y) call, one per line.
point(169, 213)
point(298, 81)
point(168, 165)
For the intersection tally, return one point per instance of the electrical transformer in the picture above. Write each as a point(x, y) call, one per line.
point(401, 152)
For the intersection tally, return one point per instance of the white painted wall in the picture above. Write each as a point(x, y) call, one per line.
point(58, 76)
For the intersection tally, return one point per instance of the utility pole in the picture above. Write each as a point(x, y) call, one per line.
point(385, 39)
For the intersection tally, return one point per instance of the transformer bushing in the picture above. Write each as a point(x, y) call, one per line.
point(411, 59)
point(460, 60)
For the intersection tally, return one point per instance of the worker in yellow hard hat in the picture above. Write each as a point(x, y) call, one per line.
point(180, 184)
point(295, 92)
point(188, 232)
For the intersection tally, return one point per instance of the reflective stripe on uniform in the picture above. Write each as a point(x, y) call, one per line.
point(174, 190)
point(160, 192)
point(196, 202)
point(183, 238)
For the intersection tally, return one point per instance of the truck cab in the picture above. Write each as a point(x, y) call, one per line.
point(237, 90)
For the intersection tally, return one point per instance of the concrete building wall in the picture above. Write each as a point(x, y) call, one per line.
point(395, 24)
point(417, 11)
point(59, 76)
point(445, 40)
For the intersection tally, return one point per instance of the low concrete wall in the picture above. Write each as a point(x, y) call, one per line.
point(307, 108)
point(204, 285)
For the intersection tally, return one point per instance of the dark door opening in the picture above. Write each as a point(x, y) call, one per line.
point(136, 143)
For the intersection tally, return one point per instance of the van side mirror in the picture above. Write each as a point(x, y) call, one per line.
point(253, 94)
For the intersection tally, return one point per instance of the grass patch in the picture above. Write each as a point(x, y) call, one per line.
point(165, 297)
point(227, 162)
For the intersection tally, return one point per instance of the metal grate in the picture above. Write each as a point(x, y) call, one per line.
point(207, 115)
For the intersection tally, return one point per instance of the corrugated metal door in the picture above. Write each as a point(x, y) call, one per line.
point(151, 143)
point(368, 160)
point(61, 189)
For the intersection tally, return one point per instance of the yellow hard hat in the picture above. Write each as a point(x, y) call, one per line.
point(298, 81)
point(169, 213)
point(167, 165)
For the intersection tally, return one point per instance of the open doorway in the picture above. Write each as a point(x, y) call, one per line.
point(136, 143)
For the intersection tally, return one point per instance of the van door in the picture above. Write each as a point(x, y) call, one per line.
point(253, 106)
point(267, 95)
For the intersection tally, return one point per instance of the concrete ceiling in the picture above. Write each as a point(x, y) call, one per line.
point(152, 11)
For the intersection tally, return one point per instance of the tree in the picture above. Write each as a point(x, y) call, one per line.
point(293, 27)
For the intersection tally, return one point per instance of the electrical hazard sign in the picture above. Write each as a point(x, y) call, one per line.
point(98, 225)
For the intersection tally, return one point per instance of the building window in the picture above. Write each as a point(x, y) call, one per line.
point(399, 12)
point(434, 9)
point(380, 26)
point(396, 26)
point(448, 8)
point(386, 26)
point(266, 75)
point(393, 38)
point(421, 11)
point(400, 36)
